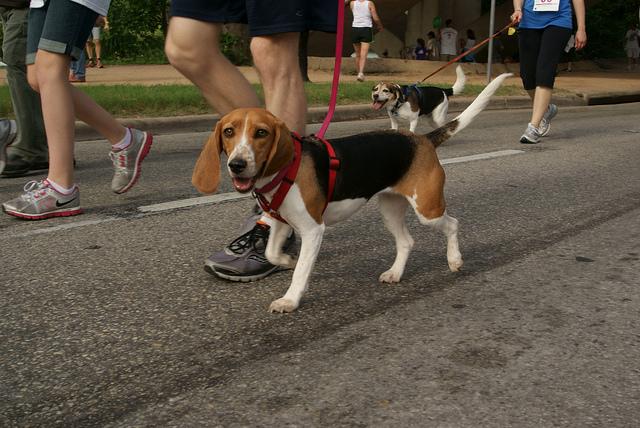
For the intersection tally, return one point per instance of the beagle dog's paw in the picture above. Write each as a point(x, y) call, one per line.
point(282, 305)
point(284, 260)
point(390, 277)
point(455, 264)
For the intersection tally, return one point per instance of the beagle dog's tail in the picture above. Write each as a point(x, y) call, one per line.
point(450, 129)
point(458, 86)
point(461, 80)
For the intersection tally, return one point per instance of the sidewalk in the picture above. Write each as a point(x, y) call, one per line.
point(588, 84)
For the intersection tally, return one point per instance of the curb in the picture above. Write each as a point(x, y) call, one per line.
point(611, 98)
point(205, 123)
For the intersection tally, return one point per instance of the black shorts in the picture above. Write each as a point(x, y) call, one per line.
point(361, 34)
point(264, 17)
point(540, 53)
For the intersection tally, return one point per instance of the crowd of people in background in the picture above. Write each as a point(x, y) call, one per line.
point(443, 44)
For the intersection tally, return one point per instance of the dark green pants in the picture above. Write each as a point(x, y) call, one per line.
point(31, 142)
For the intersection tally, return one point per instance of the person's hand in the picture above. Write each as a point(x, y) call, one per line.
point(581, 39)
point(516, 16)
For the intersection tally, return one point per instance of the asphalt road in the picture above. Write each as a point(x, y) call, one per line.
point(108, 319)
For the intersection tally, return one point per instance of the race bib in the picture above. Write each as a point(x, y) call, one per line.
point(546, 5)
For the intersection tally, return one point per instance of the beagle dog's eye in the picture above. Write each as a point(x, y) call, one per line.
point(261, 133)
point(385, 90)
point(228, 132)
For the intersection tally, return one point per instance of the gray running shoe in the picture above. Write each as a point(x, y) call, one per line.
point(8, 132)
point(545, 123)
point(244, 260)
point(127, 162)
point(531, 135)
point(40, 201)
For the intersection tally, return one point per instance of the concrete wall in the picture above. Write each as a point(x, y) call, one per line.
point(420, 21)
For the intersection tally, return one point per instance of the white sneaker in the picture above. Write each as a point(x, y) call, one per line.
point(126, 162)
point(531, 135)
point(545, 123)
point(360, 77)
point(40, 201)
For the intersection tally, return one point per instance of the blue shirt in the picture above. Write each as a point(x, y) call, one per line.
point(537, 20)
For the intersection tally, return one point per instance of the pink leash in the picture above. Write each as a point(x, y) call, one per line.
point(336, 71)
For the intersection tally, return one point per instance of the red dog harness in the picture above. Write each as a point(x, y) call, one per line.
point(287, 175)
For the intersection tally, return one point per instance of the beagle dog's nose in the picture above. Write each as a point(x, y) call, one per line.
point(375, 96)
point(237, 165)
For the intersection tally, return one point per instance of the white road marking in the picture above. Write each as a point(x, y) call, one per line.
point(481, 156)
point(192, 202)
point(63, 227)
point(222, 197)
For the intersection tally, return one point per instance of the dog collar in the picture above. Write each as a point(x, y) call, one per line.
point(283, 181)
point(401, 100)
point(287, 175)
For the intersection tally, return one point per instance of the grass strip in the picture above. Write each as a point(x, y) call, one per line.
point(180, 100)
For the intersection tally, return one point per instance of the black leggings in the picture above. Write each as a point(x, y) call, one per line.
point(540, 52)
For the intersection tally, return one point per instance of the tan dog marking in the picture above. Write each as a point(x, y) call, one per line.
point(312, 195)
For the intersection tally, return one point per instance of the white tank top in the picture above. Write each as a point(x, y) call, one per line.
point(361, 14)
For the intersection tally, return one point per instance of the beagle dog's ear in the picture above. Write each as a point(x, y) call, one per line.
point(281, 150)
point(397, 91)
point(206, 174)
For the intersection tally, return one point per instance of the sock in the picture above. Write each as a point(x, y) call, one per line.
point(124, 143)
point(58, 188)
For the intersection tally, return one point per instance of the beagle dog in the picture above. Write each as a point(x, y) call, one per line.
point(409, 102)
point(401, 168)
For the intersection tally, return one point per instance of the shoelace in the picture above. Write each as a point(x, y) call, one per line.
point(33, 190)
point(250, 239)
point(119, 159)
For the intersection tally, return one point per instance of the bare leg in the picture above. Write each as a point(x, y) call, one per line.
point(88, 47)
point(276, 59)
point(364, 51)
point(93, 114)
point(98, 47)
point(356, 50)
point(192, 48)
point(541, 98)
point(60, 104)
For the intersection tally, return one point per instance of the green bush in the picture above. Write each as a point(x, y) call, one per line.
point(137, 30)
point(234, 48)
point(607, 23)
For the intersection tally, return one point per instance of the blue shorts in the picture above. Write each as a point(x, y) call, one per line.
point(264, 17)
point(60, 26)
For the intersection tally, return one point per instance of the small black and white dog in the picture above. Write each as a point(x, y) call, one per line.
point(409, 102)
